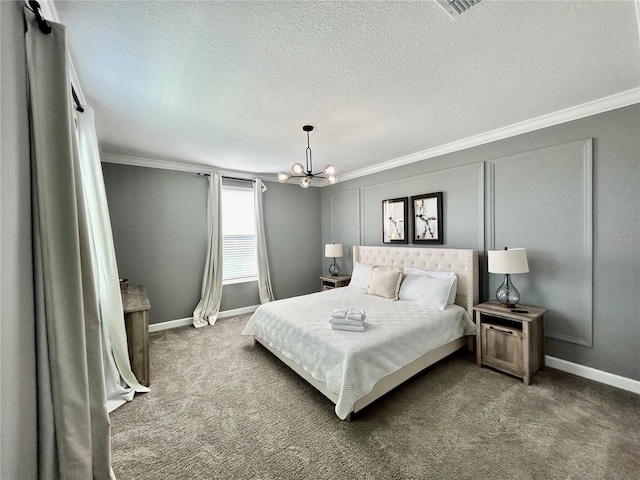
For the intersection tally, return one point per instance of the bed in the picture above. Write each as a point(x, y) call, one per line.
point(402, 338)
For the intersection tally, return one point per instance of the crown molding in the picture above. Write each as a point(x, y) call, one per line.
point(602, 105)
point(180, 167)
point(612, 102)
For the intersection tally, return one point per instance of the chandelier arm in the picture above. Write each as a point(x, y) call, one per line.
point(311, 175)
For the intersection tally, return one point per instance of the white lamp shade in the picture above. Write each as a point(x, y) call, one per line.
point(513, 260)
point(333, 250)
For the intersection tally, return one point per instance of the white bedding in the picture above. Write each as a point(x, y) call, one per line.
point(350, 363)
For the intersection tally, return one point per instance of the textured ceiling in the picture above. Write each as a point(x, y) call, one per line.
point(230, 84)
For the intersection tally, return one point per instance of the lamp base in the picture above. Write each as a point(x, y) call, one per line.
point(507, 294)
point(334, 269)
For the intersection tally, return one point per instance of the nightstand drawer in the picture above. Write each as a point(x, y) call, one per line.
point(502, 347)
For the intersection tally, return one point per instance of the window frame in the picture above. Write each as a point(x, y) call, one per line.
point(249, 279)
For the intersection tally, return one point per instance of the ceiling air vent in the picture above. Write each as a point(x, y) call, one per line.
point(457, 7)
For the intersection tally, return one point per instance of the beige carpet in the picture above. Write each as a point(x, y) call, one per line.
point(222, 407)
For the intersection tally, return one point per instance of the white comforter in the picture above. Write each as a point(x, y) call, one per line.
point(350, 363)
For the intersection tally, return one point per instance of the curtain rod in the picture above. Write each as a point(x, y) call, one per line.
point(227, 177)
point(42, 23)
point(75, 99)
point(46, 29)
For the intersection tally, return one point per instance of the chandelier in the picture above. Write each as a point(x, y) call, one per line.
point(298, 170)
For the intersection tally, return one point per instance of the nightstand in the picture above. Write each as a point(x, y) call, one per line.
point(136, 322)
point(334, 281)
point(510, 341)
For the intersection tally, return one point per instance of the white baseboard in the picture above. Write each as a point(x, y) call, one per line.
point(238, 311)
point(607, 378)
point(181, 322)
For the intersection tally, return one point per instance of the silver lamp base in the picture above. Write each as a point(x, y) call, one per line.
point(507, 294)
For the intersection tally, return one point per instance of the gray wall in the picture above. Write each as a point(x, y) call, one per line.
point(18, 417)
point(159, 228)
point(292, 228)
point(568, 242)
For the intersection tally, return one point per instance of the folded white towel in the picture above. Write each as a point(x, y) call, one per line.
point(356, 313)
point(349, 328)
point(346, 321)
point(339, 313)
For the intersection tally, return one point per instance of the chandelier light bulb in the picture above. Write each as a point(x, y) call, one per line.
point(283, 177)
point(305, 182)
point(297, 168)
point(329, 169)
point(331, 179)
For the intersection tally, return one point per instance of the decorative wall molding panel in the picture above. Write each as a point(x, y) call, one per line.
point(542, 200)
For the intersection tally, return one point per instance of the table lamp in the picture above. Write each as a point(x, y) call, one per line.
point(508, 261)
point(333, 250)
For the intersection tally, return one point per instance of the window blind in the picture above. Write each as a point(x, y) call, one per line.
point(239, 257)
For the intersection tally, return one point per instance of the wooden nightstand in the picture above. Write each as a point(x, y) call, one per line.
point(336, 281)
point(512, 342)
point(136, 322)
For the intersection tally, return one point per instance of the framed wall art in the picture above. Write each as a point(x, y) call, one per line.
point(426, 211)
point(395, 220)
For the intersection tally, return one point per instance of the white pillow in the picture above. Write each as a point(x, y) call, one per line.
point(385, 282)
point(431, 273)
point(454, 288)
point(426, 290)
point(361, 276)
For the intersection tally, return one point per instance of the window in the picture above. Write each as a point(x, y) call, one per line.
point(239, 236)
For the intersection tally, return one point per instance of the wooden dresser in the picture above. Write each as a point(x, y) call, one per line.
point(135, 304)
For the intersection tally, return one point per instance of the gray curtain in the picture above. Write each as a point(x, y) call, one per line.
point(207, 310)
point(264, 277)
point(73, 423)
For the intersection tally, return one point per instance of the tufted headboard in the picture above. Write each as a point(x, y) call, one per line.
point(463, 262)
